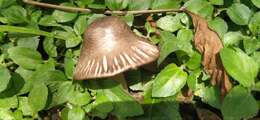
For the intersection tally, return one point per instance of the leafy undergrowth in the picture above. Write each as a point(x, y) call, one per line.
point(39, 49)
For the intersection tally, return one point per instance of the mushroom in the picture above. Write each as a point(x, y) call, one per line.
point(110, 48)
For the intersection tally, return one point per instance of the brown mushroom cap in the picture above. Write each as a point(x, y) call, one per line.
point(110, 47)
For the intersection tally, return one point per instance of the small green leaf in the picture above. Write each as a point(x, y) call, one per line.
point(165, 4)
point(72, 40)
point(169, 81)
point(28, 42)
point(116, 4)
point(232, 38)
point(254, 24)
point(192, 80)
point(24, 106)
point(6, 114)
point(139, 4)
point(239, 104)
point(15, 14)
point(219, 25)
point(211, 96)
point(256, 3)
point(201, 7)
point(76, 113)
point(80, 25)
point(4, 78)
point(38, 97)
point(251, 45)
point(240, 66)
point(49, 47)
point(194, 62)
point(62, 16)
point(217, 2)
point(25, 57)
point(6, 3)
point(239, 13)
point(48, 20)
point(169, 23)
point(80, 98)
point(69, 64)
point(9, 102)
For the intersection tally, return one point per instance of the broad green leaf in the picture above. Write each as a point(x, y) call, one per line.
point(49, 47)
point(159, 109)
point(4, 78)
point(76, 113)
point(219, 25)
point(80, 25)
point(165, 4)
point(48, 20)
point(232, 38)
point(256, 3)
point(102, 105)
point(6, 114)
point(38, 96)
point(251, 45)
point(239, 104)
point(28, 42)
point(192, 80)
point(211, 96)
point(72, 40)
point(25, 57)
point(169, 81)
point(194, 61)
point(239, 66)
point(139, 4)
point(169, 23)
point(217, 2)
point(8, 102)
point(80, 98)
point(239, 13)
point(201, 7)
point(116, 4)
point(62, 16)
point(15, 14)
point(48, 76)
point(185, 37)
point(69, 63)
point(24, 106)
point(254, 24)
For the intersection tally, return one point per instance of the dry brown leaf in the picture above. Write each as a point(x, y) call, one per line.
point(208, 43)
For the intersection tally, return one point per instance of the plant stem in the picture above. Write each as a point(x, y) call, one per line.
point(86, 10)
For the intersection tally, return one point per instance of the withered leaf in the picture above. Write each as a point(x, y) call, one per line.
point(208, 43)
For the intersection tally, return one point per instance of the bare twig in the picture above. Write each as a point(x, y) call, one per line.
point(86, 10)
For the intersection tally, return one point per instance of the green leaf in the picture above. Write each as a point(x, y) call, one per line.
point(80, 98)
point(192, 80)
point(201, 7)
point(232, 38)
point(25, 74)
point(35, 16)
point(6, 3)
point(15, 14)
point(239, 66)
point(25, 57)
point(38, 97)
point(256, 3)
point(76, 113)
point(169, 81)
point(6, 115)
point(28, 42)
point(211, 96)
point(256, 57)
point(72, 40)
point(8, 102)
point(80, 24)
point(239, 13)
point(165, 4)
point(195, 61)
point(219, 25)
point(139, 4)
point(4, 78)
point(49, 47)
point(169, 23)
point(239, 104)
point(254, 24)
point(116, 4)
point(24, 106)
point(217, 2)
point(48, 20)
point(62, 16)
point(69, 64)
point(251, 45)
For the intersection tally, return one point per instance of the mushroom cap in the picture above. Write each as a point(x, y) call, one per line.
point(110, 47)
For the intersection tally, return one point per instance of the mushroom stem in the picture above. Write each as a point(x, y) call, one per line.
point(86, 10)
point(121, 79)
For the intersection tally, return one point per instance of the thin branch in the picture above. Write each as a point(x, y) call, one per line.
point(86, 10)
